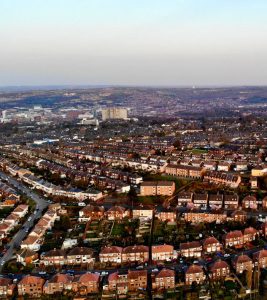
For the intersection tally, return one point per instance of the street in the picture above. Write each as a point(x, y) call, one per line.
point(41, 204)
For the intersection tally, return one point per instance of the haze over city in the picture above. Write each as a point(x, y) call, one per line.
point(152, 42)
point(133, 149)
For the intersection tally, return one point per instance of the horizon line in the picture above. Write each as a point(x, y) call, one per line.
point(81, 86)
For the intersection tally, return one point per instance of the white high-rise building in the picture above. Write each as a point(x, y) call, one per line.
point(4, 117)
point(114, 113)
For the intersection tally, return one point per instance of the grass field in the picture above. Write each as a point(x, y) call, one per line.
point(118, 229)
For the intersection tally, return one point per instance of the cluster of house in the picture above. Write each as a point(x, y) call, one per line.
point(121, 282)
point(219, 177)
point(217, 217)
point(217, 201)
point(35, 286)
point(197, 249)
point(223, 178)
point(118, 148)
point(35, 238)
point(11, 221)
point(123, 153)
point(89, 171)
point(66, 256)
point(139, 254)
point(120, 156)
point(51, 189)
point(8, 195)
point(185, 171)
point(84, 256)
point(236, 239)
point(93, 212)
point(47, 187)
point(77, 256)
point(203, 200)
point(122, 159)
point(217, 160)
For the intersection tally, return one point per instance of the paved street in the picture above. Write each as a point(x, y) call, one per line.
point(41, 204)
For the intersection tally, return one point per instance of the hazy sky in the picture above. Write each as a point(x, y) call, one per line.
point(136, 42)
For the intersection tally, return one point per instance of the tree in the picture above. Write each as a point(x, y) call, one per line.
point(177, 144)
point(63, 224)
point(132, 193)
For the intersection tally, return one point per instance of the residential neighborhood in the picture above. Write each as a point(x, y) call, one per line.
point(176, 211)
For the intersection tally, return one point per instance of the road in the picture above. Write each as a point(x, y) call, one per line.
point(41, 204)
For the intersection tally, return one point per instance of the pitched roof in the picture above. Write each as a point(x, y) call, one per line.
point(162, 248)
point(219, 264)
point(5, 281)
point(113, 276)
point(249, 198)
point(55, 252)
point(242, 259)
point(194, 269)
point(188, 245)
point(111, 249)
point(28, 279)
point(61, 278)
point(165, 273)
point(210, 240)
point(260, 254)
point(233, 234)
point(81, 251)
point(87, 277)
point(135, 249)
point(137, 273)
point(250, 230)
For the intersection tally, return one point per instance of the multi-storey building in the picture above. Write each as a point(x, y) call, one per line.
point(162, 253)
point(194, 273)
point(191, 249)
point(31, 285)
point(163, 280)
point(219, 270)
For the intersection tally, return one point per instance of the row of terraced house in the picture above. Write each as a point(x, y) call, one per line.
point(122, 282)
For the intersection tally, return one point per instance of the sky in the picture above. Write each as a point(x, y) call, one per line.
point(133, 42)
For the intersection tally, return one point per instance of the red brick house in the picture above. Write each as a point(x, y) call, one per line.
point(260, 258)
point(242, 263)
point(162, 253)
point(138, 253)
point(163, 280)
point(211, 245)
point(91, 212)
point(137, 280)
point(6, 287)
point(110, 254)
point(57, 284)
point(117, 213)
point(85, 284)
point(191, 249)
point(219, 270)
point(250, 234)
point(31, 285)
point(239, 216)
point(234, 239)
point(194, 273)
point(54, 257)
